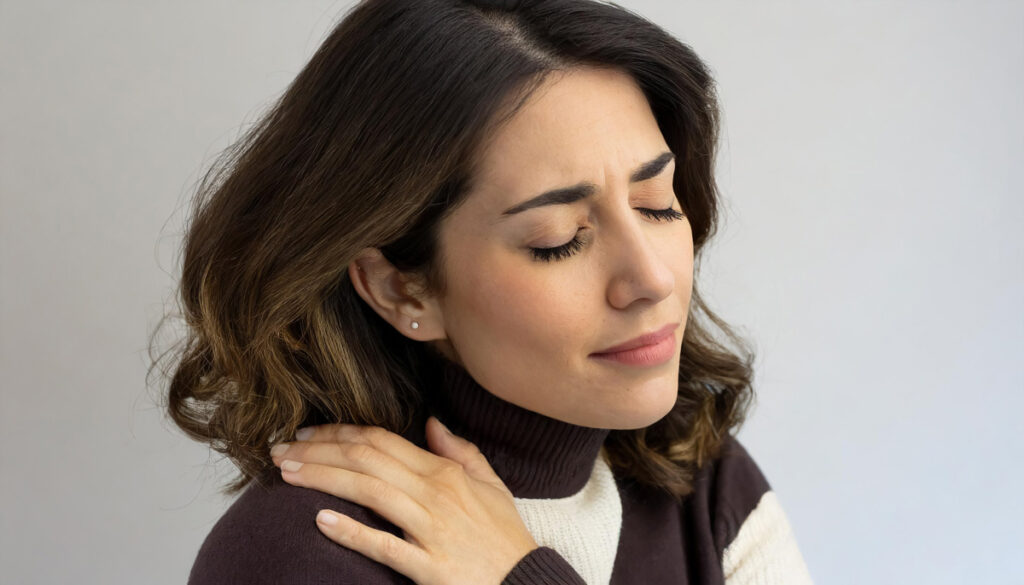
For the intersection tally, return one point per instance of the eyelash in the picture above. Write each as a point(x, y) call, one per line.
point(573, 246)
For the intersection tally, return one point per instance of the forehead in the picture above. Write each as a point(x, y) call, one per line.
point(582, 125)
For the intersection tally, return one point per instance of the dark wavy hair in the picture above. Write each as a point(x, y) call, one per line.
point(373, 144)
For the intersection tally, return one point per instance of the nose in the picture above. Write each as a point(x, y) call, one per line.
point(638, 266)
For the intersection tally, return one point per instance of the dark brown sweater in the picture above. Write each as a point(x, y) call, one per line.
point(268, 535)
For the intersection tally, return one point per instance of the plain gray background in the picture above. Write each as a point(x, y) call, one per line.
point(871, 248)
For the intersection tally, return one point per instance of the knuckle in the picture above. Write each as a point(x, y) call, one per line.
point(451, 474)
point(391, 549)
point(336, 433)
point(378, 492)
point(339, 450)
point(376, 434)
point(449, 469)
point(360, 452)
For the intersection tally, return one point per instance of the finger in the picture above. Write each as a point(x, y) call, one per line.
point(383, 547)
point(358, 457)
point(395, 445)
point(383, 498)
point(449, 445)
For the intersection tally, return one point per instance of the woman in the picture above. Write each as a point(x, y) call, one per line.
point(486, 216)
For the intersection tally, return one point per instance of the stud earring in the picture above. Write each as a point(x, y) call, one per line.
point(415, 325)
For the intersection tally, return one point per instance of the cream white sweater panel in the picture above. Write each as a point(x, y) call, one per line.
point(765, 551)
point(584, 527)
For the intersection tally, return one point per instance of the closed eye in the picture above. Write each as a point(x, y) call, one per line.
point(659, 214)
point(574, 245)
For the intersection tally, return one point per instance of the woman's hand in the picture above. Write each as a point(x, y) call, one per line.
point(458, 517)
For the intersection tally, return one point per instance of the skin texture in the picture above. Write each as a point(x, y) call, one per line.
point(523, 328)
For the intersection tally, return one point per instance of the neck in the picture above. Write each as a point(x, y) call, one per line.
point(536, 456)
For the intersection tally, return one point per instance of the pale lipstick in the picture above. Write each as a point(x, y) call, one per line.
point(650, 349)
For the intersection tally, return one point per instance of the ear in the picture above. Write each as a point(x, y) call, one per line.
point(387, 290)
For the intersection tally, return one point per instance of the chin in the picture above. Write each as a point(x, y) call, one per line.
point(645, 412)
point(660, 404)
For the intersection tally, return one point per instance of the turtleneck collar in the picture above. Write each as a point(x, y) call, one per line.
point(536, 456)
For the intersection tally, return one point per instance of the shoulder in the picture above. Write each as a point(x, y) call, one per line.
point(752, 534)
point(740, 485)
point(726, 490)
point(269, 535)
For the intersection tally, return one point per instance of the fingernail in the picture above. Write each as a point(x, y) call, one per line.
point(327, 518)
point(303, 434)
point(279, 449)
point(445, 428)
point(289, 465)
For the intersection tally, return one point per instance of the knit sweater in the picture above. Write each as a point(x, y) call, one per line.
point(591, 527)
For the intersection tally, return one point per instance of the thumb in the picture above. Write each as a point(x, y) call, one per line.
point(442, 442)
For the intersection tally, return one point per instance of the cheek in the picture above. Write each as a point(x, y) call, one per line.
point(502, 302)
point(684, 274)
point(683, 261)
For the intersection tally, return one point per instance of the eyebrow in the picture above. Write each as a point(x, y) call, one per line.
point(572, 194)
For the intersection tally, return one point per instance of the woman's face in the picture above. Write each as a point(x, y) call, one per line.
point(525, 327)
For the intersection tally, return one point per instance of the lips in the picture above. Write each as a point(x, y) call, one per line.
point(643, 340)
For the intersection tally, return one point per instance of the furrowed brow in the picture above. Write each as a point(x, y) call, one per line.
point(566, 195)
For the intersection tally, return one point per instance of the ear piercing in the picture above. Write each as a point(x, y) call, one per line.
point(415, 325)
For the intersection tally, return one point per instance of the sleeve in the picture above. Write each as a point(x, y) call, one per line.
point(764, 551)
point(543, 566)
point(269, 537)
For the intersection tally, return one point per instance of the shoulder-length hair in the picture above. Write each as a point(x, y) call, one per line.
point(373, 144)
